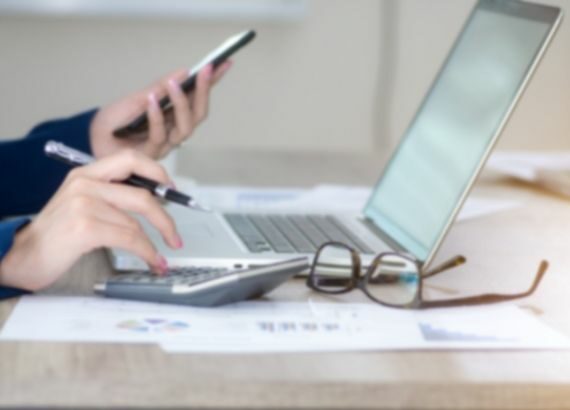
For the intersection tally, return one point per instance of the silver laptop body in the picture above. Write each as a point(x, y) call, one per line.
point(426, 181)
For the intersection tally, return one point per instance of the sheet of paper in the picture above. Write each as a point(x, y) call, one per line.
point(92, 319)
point(268, 326)
point(525, 165)
point(364, 327)
point(246, 198)
point(476, 207)
point(322, 198)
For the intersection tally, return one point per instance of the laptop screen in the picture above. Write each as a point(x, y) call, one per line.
point(457, 123)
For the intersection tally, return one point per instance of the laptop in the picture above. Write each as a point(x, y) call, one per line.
point(427, 179)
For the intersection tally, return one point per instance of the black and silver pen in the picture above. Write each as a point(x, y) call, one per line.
point(75, 158)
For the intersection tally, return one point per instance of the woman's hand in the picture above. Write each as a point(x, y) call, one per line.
point(165, 131)
point(90, 211)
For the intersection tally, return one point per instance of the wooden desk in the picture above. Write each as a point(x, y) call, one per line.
point(503, 251)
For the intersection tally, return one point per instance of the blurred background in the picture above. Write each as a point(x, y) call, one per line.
point(331, 75)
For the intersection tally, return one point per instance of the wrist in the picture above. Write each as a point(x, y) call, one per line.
point(13, 262)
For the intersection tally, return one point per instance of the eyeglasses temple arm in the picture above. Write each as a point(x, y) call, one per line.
point(452, 263)
point(491, 297)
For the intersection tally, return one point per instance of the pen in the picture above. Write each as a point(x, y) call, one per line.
point(75, 158)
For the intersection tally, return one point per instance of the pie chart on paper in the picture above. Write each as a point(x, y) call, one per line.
point(153, 325)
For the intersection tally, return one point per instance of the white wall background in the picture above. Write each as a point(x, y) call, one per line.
point(346, 78)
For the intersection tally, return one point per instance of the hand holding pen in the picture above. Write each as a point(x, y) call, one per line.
point(75, 158)
point(88, 212)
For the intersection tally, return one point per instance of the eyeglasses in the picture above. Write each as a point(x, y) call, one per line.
point(392, 279)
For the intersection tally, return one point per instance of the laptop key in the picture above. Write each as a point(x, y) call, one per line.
point(248, 233)
point(299, 241)
point(303, 223)
point(277, 240)
point(332, 232)
point(360, 245)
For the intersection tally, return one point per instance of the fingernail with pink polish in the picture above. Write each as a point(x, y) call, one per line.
point(162, 264)
point(179, 243)
point(173, 84)
point(152, 101)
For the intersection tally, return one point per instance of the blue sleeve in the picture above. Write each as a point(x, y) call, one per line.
point(29, 178)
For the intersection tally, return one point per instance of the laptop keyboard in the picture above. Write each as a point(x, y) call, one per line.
point(291, 233)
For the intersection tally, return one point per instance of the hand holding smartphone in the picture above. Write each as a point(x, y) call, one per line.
point(216, 58)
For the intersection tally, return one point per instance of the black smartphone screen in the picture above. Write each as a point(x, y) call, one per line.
point(216, 58)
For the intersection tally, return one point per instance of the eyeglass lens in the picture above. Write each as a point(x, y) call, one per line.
point(333, 269)
point(393, 279)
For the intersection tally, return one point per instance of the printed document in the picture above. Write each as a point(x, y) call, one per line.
point(550, 170)
point(270, 326)
point(322, 198)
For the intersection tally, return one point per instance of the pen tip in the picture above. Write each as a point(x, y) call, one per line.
point(195, 205)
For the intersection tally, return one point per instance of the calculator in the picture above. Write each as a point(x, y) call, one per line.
point(201, 286)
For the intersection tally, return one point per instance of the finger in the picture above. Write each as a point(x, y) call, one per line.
point(95, 224)
point(165, 151)
point(200, 98)
point(119, 167)
point(136, 200)
point(100, 209)
point(103, 213)
point(158, 87)
point(157, 136)
point(221, 71)
point(182, 112)
point(178, 75)
point(104, 234)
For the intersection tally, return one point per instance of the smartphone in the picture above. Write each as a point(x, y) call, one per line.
point(216, 58)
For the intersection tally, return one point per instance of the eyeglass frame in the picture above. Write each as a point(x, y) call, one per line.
point(360, 281)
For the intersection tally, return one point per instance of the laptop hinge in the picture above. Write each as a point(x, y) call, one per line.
point(384, 237)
